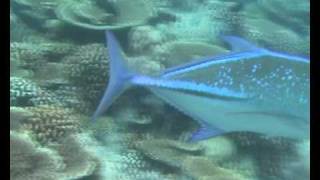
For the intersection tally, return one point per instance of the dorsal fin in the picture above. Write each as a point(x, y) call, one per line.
point(238, 44)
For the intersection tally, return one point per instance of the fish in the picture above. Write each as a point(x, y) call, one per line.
point(249, 89)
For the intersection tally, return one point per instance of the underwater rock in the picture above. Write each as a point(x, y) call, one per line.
point(29, 161)
point(50, 123)
point(102, 15)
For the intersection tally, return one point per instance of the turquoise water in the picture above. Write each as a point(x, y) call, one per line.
point(59, 69)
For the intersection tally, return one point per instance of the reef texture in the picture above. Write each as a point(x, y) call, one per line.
point(87, 70)
point(30, 161)
point(184, 158)
point(49, 123)
point(24, 92)
point(59, 70)
point(102, 15)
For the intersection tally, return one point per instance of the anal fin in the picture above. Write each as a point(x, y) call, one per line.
point(205, 131)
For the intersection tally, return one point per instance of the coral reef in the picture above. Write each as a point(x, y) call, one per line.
point(57, 80)
point(132, 115)
point(24, 92)
point(17, 116)
point(40, 60)
point(144, 39)
point(189, 50)
point(203, 23)
point(50, 123)
point(204, 169)
point(258, 155)
point(87, 70)
point(35, 14)
point(29, 161)
point(68, 160)
point(274, 36)
point(184, 158)
point(78, 161)
point(102, 15)
point(294, 14)
point(146, 65)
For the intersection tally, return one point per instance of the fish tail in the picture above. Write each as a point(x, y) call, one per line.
point(119, 75)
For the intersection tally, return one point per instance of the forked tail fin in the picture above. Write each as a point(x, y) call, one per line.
point(119, 75)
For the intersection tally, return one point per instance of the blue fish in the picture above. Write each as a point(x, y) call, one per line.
point(250, 89)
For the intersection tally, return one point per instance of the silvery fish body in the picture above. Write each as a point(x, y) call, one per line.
point(249, 89)
point(277, 94)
